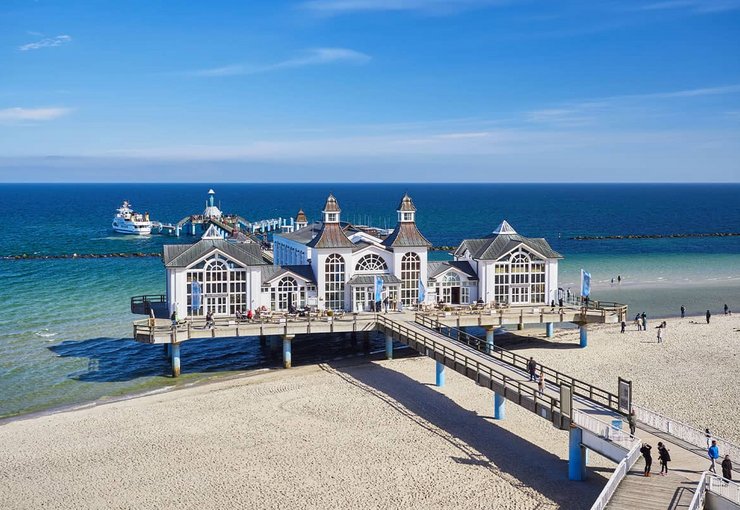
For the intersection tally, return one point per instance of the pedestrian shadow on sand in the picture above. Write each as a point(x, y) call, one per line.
point(121, 359)
point(478, 439)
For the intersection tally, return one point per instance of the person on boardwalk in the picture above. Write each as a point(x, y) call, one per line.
point(209, 319)
point(727, 468)
point(683, 311)
point(645, 451)
point(541, 382)
point(532, 367)
point(624, 326)
point(708, 437)
point(664, 458)
point(152, 319)
point(632, 420)
point(713, 452)
point(709, 316)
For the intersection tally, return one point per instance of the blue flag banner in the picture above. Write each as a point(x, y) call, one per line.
point(585, 283)
point(378, 288)
point(196, 294)
point(422, 292)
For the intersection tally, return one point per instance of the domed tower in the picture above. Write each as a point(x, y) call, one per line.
point(211, 211)
point(300, 220)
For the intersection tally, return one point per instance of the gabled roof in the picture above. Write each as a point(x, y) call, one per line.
point(184, 255)
point(331, 235)
point(406, 205)
point(406, 235)
point(435, 269)
point(305, 271)
point(492, 248)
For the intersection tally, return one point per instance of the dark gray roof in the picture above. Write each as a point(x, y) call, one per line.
point(302, 235)
point(331, 235)
point(435, 269)
point(406, 235)
point(492, 248)
point(183, 255)
point(361, 245)
point(406, 204)
point(305, 271)
point(369, 279)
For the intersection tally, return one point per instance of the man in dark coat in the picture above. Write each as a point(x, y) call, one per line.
point(727, 468)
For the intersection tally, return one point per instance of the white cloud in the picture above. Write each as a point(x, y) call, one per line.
point(32, 114)
point(49, 42)
point(333, 7)
point(312, 57)
point(698, 6)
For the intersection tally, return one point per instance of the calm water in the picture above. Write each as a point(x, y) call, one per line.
point(65, 328)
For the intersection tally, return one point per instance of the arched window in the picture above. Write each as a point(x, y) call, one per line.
point(371, 262)
point(519, 268)
point(410, 273)
point(217, 275)
point(286, 295)
point(451, 279)
point(334, 286)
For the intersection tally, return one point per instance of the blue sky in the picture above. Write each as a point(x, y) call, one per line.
point(370, 90)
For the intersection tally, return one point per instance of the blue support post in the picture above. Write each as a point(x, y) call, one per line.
point(550, 328)
point(576, 456)
point(388, 347)
point(499, 407)
point(489, 339)
point(287, 348)
point(584, 334)
point(175, 350)
point(440, 370)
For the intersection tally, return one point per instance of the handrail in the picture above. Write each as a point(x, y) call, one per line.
point(711, 482)
point(617, 476)
point(149, 298)
point(580, 388)
point(457, 357)
point(683, 431)
point(604, 429)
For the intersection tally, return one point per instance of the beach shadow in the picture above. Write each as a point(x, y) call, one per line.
point(512, 342)
point(479, 440)
point(122, 359)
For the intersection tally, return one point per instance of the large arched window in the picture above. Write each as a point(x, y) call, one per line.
point(216, 272)
point(217, 285)
point(410, 273)
point(371, 262)
point(519, 268)
point(334, 286)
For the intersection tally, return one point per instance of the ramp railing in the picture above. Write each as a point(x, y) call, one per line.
point(617, 476)
point(604, 430)
point(580, 388)
point(710, 482)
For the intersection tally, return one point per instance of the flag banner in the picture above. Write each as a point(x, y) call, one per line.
point(378, 288)
point(422, 292)
point(585, 283)
point(196, 294)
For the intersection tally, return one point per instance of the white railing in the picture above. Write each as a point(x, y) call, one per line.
point(604, 430)
point(683, 431)
point(709, 482)
point(617, 476)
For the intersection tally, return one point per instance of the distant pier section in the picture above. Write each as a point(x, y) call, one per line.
point(654, 236)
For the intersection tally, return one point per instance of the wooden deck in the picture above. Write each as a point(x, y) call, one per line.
point(164, 332)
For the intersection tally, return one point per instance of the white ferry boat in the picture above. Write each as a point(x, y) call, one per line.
point(126, 221)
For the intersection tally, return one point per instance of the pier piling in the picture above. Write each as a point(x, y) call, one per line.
point(583, 329)
point(388, 347)
point(576, 456)
point(440, 374)
point(499, 407)
point(287, 350)
point(550, 329)
point(490, 335)
point(175, 350)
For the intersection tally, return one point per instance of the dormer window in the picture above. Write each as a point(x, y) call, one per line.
point(407, 216)
point(331, 217)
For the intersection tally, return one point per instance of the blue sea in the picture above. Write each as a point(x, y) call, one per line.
point(65, 328)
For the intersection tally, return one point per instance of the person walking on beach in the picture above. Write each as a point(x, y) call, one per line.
point(632, 420)
point(637, 321)
point(624, 326)
point(660, 334)
point(619, 278)
point(683, 311)
point(645, 451)
point(644, 321)
point(713, 452)
point(709, 315)
point(532, 367)
point(726, 308)
point(664, 458)
point(727, 468)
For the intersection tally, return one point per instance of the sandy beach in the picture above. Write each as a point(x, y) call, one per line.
point(360, 433)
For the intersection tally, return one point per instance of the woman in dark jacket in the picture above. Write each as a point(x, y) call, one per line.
point(645, 451)
point(664, 457)
point(727, 468)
